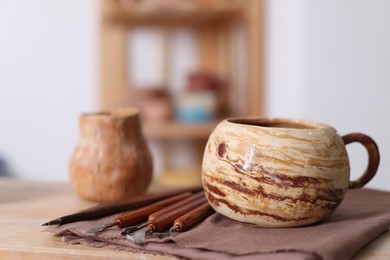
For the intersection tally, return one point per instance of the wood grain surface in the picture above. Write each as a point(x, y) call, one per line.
point(24, 206)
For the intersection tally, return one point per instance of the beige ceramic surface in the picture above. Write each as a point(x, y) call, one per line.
point(112, 160)
point(275, 175)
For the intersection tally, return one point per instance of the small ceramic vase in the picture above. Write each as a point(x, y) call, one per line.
point(112, 161)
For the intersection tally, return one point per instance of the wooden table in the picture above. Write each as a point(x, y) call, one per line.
point(24, 206)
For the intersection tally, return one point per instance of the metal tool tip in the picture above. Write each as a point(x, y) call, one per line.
point(94, 230)
point(52, 222)
point(101, 228)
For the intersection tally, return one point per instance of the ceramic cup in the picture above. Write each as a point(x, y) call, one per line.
point(280, 172)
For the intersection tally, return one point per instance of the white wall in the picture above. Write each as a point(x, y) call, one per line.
point(285, 58)
point(330, 62)
point(47, 77)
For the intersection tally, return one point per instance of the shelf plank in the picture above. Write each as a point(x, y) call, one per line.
point(178, 14)
point(177, 130)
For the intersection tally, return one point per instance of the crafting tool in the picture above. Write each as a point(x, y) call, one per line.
point(105, 209)
point(164, 222)
point(186, 221)
point(192, 218)
point(136, 216)
point(161, 212)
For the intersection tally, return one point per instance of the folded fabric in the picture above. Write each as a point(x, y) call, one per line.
point(362, 216)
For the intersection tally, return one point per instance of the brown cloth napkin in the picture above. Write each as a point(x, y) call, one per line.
point(363, 215)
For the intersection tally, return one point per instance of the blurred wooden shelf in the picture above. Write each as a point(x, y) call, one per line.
point(228, 42)
point(190, 176)
point(178, 130)
point(138, 14)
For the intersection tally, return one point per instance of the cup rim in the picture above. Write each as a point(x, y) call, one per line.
point(278, 123)
point(112, 113)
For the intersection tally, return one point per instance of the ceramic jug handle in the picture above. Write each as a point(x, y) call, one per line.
point(373, 157)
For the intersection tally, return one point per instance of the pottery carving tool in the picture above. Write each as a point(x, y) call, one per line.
point(192, 218)
point(105, 209)
point(186, 221)
point(156, 215)
point(136, 216)
point(164, 222)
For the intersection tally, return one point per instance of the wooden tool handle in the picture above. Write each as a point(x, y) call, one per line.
point(174, 206)
point(105, 209)
point(135, 216)
point(193, 217)
point(164, 222)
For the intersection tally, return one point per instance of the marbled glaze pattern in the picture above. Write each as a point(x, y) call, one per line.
point(273, 175)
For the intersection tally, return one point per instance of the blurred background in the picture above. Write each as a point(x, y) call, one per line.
point(187, 64)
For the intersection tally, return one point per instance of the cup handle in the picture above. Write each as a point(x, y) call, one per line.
point(373, 157)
